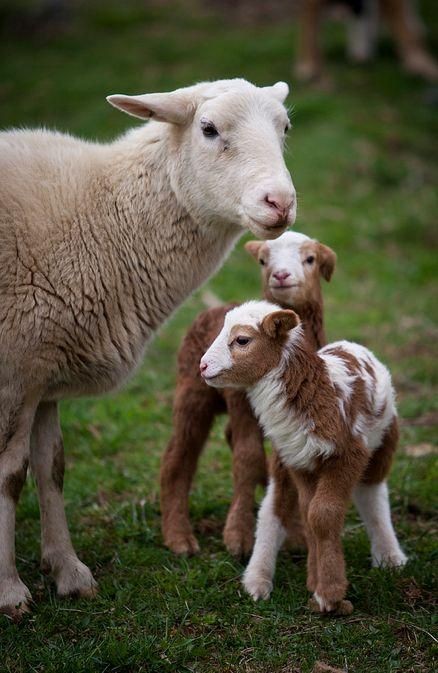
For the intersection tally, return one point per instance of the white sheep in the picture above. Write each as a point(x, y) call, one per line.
point(99, 244)
point(332, 420)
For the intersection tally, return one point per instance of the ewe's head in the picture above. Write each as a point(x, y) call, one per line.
point(228, 138)
point(251, 343)
point(292, 266)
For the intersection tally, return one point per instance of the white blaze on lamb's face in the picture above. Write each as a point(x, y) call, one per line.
point(230, 135)
point(250, 344)
point(292, 266)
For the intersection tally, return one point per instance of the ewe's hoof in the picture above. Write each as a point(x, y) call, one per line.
point(183, 545)
point(14, 599)
point(239, 541)
point(75, 579)
point(257, 586)
point(340, 608)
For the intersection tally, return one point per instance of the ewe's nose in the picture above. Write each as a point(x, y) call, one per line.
point(202, 367)
point(280, 202)
point(281, 275)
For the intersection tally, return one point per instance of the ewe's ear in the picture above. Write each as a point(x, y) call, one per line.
point(280, 91)
point(327, 261)
point(279, 323)
point(176, 107)
point(253, 247)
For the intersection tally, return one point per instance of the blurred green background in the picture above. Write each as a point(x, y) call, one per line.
point(363, 158)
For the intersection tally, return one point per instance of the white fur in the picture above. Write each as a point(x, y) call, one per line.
point(292, 435)
point(380, 392)
point(270, 535)
point(285, 255)
point(100, 243)
point(372, 502)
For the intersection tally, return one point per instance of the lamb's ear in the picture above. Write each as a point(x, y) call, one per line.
point(280, 91)
point(279, 323)
point(176, 107)
point(253, 247)
point(327, 261)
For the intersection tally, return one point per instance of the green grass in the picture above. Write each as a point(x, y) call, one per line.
point(362, 158)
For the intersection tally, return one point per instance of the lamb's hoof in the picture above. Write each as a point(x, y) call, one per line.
point(239, 541)
point(14, 599)
point(340, 608)
point(183, 544)
point(73, 578)
point(395, 559)
point(257, 586)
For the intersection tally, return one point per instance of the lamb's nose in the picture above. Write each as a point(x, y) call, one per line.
point(281, 275)
point(281, 203)
point(202, 367)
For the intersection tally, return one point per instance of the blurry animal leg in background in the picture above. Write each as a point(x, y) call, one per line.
point(362, 31)
point(407, 31)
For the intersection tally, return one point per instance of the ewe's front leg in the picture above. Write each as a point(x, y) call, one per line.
point(15, 423)
point(58, 557)
point(249, 469)
point(270, 535)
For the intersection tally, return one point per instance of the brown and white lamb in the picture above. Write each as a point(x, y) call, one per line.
point(332, 420)
point(291, 269)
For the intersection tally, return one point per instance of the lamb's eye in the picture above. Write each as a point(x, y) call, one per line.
point(209, 130)
point(242, 341)
point(262, 262)
point(286, 128)
point(310, 259)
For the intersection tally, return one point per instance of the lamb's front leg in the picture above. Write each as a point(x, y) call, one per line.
point(270, 535)
point(58, 557)
point(249, 469)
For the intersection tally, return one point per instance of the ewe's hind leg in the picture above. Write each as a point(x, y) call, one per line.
point(249, 469)
point(270, 535)
point(193, 412)
point(372, 502)
point(58, 557)
point(15, 424)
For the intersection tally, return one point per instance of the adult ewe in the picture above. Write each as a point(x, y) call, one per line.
point(99, 244)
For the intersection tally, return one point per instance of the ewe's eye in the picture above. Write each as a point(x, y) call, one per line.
point(242, 341)
point(262, 262)
point(209, 130)
point(310, 259)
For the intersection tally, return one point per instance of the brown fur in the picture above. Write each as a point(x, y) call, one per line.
point(324, 488)
point(196, 405)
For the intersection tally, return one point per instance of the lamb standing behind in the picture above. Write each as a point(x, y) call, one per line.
point(332, 419)
point(291, 267)
point(99, 244)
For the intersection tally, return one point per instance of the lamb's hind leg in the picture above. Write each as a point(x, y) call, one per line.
point(15, 423)
point(249, 469)
point(58, 557)
point(372, 501)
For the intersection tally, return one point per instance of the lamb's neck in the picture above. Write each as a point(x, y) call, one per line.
point(292, 403)
point(168, 252)
point(311, 313)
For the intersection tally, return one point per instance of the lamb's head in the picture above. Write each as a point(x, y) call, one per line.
point(292, 266)
point(228, 138)
point(251, 343)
